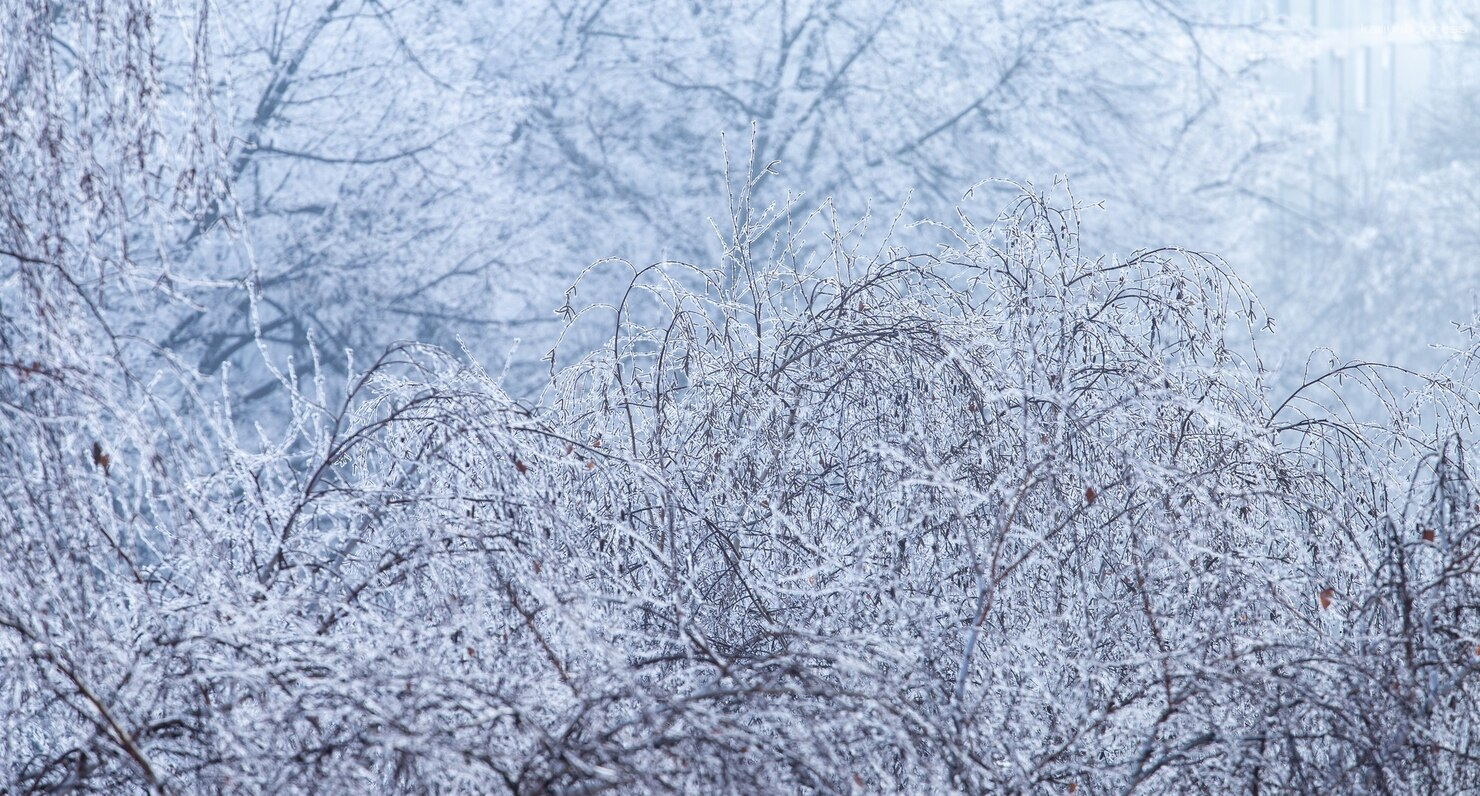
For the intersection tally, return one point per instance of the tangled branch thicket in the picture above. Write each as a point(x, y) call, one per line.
point(998, 518)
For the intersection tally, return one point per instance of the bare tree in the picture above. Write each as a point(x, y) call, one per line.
point(392, 170)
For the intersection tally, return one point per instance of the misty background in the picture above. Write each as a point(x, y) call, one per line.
point(375, 171)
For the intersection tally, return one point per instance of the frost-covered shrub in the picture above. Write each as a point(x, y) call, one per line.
point(998, 517)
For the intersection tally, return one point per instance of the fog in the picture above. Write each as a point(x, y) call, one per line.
point(739, 396)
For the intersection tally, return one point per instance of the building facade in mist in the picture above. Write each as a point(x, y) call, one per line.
point(1363, 79)
point(1363, 75)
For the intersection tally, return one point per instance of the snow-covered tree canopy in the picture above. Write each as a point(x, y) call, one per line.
point(992, 503)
